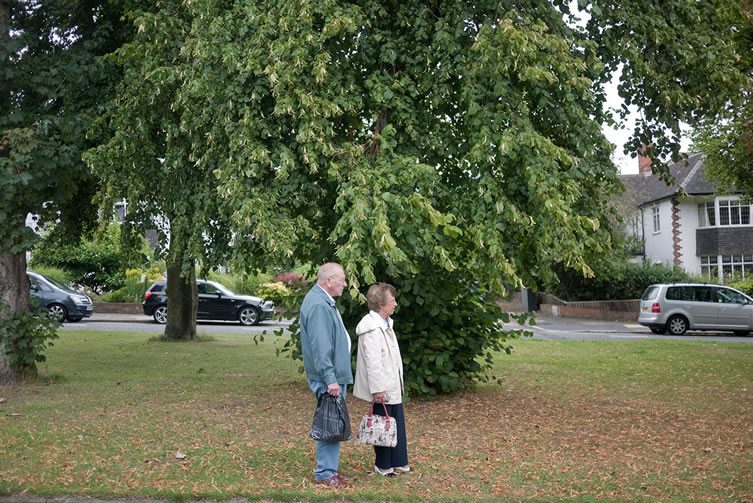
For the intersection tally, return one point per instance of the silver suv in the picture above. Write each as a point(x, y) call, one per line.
point(678, 307)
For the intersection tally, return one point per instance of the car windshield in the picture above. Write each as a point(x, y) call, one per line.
point(55, 283)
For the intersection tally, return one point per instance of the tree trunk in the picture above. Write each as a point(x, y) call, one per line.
point(14, 298)
point(182, 301)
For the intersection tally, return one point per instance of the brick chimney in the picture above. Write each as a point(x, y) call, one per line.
point(644, 162)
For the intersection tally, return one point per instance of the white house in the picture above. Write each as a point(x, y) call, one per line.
point(688, 224)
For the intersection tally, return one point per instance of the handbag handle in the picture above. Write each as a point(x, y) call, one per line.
point(386, 414)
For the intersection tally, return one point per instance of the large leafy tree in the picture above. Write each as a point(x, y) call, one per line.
point(149, 157)
point(726, 138)
point(449, 148)
point(452, 148)
point(680, 62)
point(52, 86)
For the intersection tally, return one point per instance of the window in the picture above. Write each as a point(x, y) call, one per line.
point(739, 266)
point(41, 285)
point(655, 218)
point(727, 296)
point(679, 293)
point(702, 294)
point(706, 214)
point(119, 211)
point(732, 212)
point(207, 289)
point(651, 293)
point(709, 267)
point(689, 293)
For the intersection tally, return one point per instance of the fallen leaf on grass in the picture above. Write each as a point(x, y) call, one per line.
point(180, 455)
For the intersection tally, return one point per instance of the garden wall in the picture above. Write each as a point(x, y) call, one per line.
point(607, 310)
point(118, 308)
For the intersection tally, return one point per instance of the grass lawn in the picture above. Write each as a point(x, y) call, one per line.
point(627, 420)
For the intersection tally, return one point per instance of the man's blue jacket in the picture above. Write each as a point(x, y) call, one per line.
point(324, 341)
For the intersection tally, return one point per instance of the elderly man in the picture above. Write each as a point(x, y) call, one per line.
point(326, 357)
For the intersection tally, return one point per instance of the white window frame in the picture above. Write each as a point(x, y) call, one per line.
point(719, 267)
point(736, 265)
point(734, 213)
point(706, 214)
point(656, 218)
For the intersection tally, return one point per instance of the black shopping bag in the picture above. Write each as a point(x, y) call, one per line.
point(331, 421)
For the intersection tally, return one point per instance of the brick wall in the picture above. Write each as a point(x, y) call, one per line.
point(606, 310)
point(676, 234)
point(118, 308)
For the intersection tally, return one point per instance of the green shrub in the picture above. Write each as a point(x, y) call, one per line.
point(119, 295)
point(619, 281)
point(24, 337)
point(449, 330)
point(242, 284)
point(136, 283)
point(60, 275)
point(95, 263)
point(744, 285)
point(277, 292)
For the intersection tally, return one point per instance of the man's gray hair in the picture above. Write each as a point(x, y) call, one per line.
point(328, 270)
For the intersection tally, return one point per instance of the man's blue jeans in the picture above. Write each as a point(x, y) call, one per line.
point(327, 453)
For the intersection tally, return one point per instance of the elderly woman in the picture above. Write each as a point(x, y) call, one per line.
point(379, 374)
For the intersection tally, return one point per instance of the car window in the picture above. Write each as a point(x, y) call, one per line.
point(223, 289)
point(680, 293)
point(55, 283)
point(703, 294)
point(41, 285)
point(207, 288)
point(651, 293)
point(157, 287)
point(727, 296)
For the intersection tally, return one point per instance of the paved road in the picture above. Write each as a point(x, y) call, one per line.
point(559, 328)
point(145, 324)
point(553, 328)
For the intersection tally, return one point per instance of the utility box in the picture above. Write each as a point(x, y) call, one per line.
point(529, 299)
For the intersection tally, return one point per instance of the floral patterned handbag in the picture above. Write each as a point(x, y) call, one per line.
point(377, 430)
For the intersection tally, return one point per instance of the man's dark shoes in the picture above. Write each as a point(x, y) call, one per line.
point(343, 478)
point(334, 482)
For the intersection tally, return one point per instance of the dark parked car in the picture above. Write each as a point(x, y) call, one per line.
point(216, 302)
point(62, 303)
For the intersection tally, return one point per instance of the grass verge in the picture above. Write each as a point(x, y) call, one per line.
point(628, 420)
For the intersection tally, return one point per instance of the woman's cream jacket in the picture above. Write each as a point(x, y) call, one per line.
point(379, 366)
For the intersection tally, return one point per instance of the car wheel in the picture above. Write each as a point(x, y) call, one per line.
point(160, 314)
point(677, 325)
point(74, 319)
point(741, 333)
point(659, 331)
point(249, 316)
point(57, 312)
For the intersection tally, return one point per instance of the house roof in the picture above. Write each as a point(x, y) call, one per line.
point(688, 178)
